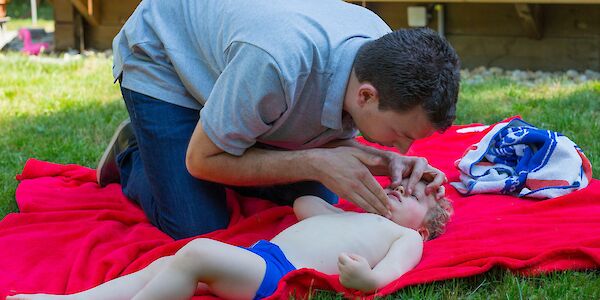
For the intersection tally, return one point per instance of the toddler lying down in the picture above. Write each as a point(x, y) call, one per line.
point(367, 250)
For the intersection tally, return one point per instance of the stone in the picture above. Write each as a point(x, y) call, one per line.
point(572, 73)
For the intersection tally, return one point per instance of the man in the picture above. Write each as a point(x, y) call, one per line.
point(265, 97)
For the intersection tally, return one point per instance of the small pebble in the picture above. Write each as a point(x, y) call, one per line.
point(528, 77)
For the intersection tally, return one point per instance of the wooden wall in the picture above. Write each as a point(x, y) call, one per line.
point(482, 34)
point(73, 32)
point(494, 35)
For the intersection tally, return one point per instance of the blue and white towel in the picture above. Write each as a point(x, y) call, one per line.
point(517, 158)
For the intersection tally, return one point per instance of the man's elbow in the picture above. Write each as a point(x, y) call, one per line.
point(194, 162)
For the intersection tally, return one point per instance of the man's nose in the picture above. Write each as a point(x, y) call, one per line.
point(403, 145)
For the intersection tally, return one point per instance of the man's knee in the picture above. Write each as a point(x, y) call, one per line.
point(187, 228)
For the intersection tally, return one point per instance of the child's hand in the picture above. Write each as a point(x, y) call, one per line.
point(355, 272)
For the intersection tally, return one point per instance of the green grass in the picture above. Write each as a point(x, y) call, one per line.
point(16, 24)
point(65, 112)
point(20, 13)
point(21, 9)
point(62, 111)
point(502, 284)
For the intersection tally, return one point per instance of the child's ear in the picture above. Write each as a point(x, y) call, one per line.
point(424, 232)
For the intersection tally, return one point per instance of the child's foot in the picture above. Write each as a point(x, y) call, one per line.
point(36, 297)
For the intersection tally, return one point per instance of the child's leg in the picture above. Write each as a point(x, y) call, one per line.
point(124, 287)
point(229, 271)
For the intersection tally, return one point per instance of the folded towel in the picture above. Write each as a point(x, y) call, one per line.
point(516, 158)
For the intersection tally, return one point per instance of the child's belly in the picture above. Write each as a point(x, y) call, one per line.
point(317, 242)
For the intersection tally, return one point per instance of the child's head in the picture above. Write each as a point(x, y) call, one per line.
point(419, 211)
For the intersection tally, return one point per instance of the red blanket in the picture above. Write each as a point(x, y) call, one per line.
point(72, 235)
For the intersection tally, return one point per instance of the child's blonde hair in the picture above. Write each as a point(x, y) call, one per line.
point(437, 217)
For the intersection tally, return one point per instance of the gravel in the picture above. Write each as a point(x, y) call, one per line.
point(469, 76)
point(528, 77)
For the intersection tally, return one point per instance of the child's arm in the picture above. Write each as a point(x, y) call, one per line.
point(403, 255)
point(309, 206)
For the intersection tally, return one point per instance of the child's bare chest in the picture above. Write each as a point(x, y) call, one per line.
point(316, 242)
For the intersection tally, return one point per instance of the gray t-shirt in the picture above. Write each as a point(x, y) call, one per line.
point(267, 71)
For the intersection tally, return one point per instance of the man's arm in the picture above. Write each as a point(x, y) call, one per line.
point(310, 206)
point(404, 254)
point(342, 169)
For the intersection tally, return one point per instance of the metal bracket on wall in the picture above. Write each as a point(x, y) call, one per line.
point(531, 19)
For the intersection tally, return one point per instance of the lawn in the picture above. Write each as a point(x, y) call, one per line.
point(64, 111)
point(20, 13)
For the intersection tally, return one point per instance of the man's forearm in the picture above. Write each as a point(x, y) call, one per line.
point(343, 170)
point(380, 170)
point(256, 167)
point(354, 143)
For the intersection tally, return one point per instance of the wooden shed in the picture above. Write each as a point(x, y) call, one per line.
point(513, 34)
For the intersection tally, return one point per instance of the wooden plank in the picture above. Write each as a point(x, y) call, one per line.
point(468, 19)
point(100, 37)
point(530, 16)
point(571, 21)
point(64, 35)
point(93, 9)
point(63, 11)
point(483, 19)
point(116, 12)
point(394, 14)
point(492, 1)
point(82, 8)
point(552, 54)
point(564, 21)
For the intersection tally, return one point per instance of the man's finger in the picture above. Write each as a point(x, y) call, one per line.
point(397, 175)
point(380, 200)
point(441, 193)
point(429, 175)
point(437, 182)
point(373, 201)
point(357, 199)
point(381, 208)
point(417, 172)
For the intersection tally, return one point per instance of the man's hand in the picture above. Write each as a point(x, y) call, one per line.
point(397, 167)
point(415, 168)
point(355, 272)
point(344, 171)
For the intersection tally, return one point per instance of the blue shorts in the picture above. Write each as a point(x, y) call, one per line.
point(277, 266)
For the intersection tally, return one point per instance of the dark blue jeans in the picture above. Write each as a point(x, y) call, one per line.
point(153, 173)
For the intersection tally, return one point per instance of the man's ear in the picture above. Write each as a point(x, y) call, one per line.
point(424, 232)
point(367, 93)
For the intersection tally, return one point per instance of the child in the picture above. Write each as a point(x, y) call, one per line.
point(367, 250)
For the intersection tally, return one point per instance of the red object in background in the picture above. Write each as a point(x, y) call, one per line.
point(29, 47)
point(72, 235)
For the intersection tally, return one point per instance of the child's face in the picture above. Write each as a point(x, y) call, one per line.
point(410, 210)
